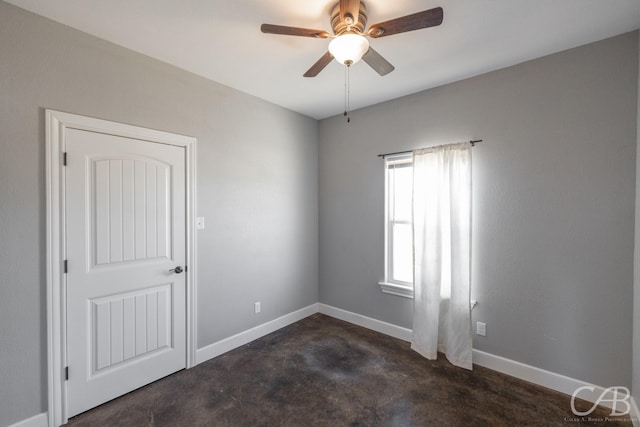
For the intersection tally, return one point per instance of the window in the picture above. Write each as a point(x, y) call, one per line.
point(398, 226)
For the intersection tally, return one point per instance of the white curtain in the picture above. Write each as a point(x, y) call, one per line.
point(442, 250)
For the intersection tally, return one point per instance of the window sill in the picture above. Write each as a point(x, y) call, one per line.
point(407, 291)
point(395, 289)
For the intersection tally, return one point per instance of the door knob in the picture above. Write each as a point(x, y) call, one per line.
point(177, 270)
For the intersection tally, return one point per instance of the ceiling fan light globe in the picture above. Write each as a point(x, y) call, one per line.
point(348, 48)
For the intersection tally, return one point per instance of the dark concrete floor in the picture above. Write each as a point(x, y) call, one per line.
point(325, 372)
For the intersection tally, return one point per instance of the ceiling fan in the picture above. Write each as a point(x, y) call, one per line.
point(349, 44)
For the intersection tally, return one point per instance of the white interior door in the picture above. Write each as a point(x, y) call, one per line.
point(125, 221)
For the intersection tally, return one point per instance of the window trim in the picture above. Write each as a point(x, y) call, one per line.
point(395, 289)
point(388, 285)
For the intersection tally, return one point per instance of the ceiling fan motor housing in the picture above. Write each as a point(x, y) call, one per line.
point(341, 27)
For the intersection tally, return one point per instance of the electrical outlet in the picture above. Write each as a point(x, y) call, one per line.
point(256, 307)
point(200, 223)
point(481, 329)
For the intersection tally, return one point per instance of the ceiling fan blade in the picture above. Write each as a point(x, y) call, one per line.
point(293, 31)
point(377, 62)
point(319, 65)
point(350, 7)
point(425, 19)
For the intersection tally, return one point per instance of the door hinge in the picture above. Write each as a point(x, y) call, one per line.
point(66, 373)
point(64, 158)
point(65, 266)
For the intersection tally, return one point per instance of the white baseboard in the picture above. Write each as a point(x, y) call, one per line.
point(367, 322)
point(39, 420)
point(245, 337)
point(548, 379)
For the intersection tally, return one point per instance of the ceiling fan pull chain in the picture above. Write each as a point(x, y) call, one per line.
point(347, 84)
point(345, 91)
point(348, 93)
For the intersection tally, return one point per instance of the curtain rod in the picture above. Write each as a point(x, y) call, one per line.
point(472, 142)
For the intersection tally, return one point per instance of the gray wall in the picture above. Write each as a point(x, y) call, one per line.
point(257, 187)
point(553, 213)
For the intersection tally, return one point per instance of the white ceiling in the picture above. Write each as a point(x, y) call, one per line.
point(221, 40)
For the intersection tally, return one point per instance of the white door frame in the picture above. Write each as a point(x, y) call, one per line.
point(56, 124)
